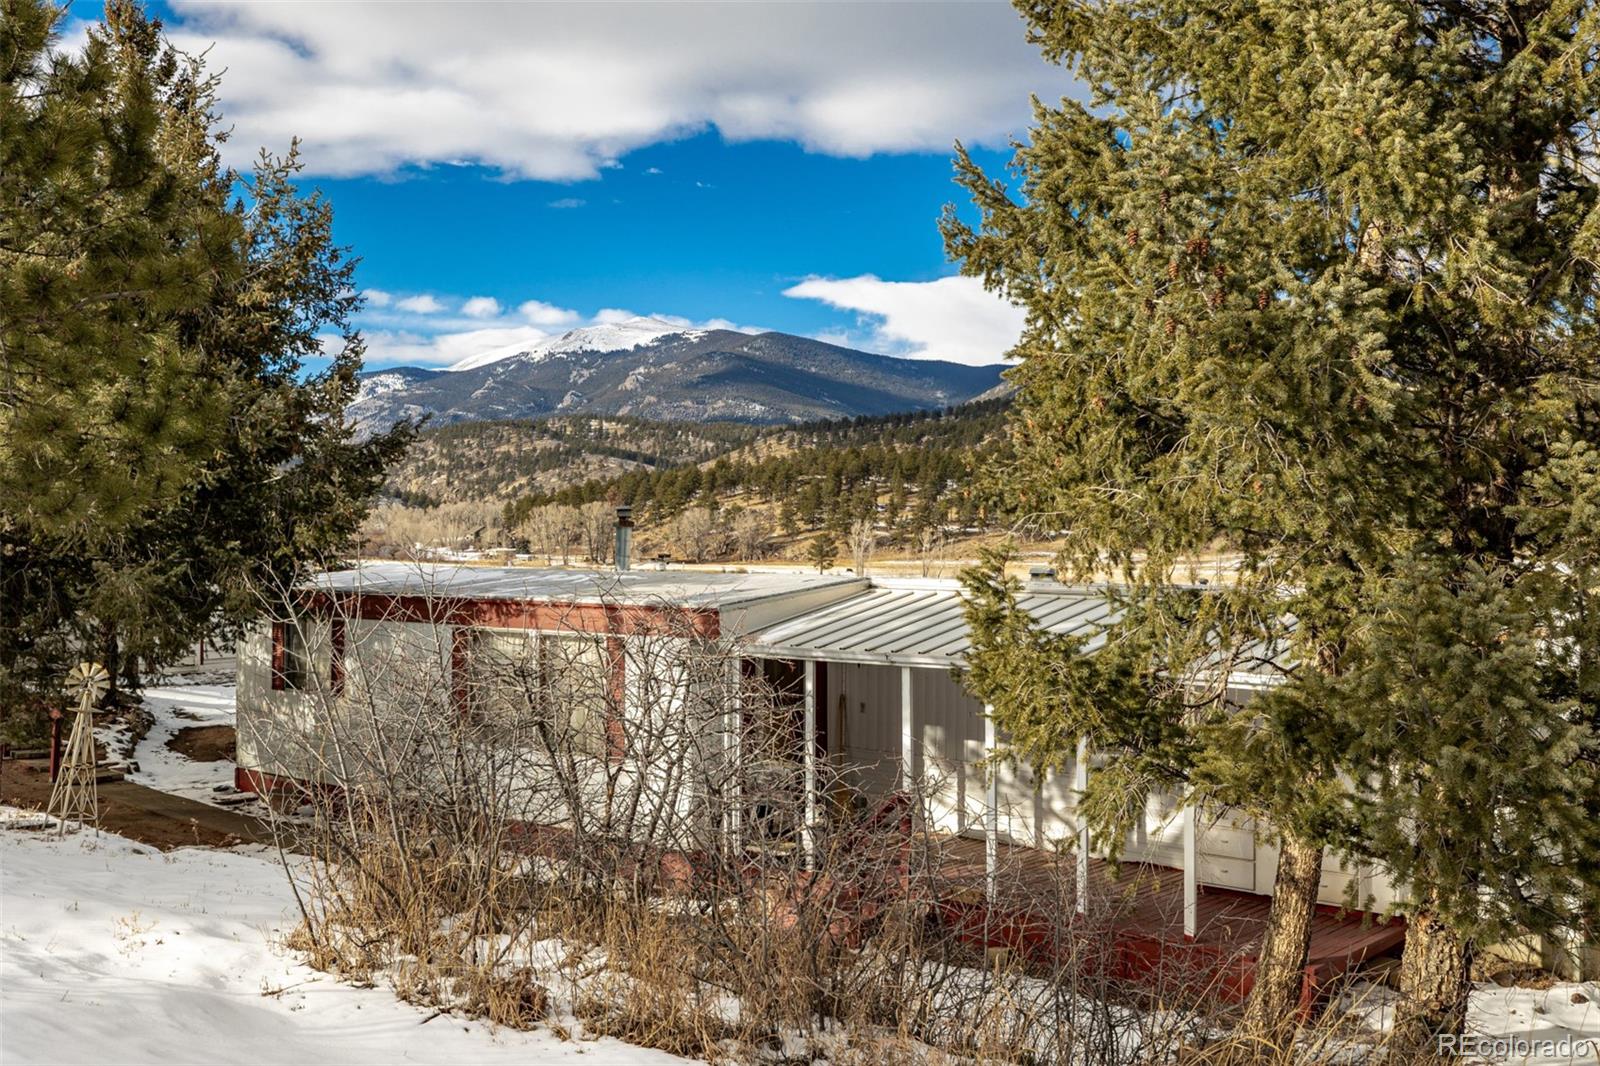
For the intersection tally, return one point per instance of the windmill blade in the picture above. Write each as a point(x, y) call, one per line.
point(87, 682)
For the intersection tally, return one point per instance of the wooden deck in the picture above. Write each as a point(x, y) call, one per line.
point(1138, 910)
point(1132, 929)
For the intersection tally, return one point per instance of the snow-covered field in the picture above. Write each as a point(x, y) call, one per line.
point(113, 952)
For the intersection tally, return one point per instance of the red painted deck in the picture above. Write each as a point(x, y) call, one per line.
point(1140, 908)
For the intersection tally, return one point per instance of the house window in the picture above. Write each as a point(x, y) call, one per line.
point(291, 656)
point(543, 689)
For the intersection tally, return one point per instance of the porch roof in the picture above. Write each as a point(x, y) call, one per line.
point(923, 623)
point(918, 623)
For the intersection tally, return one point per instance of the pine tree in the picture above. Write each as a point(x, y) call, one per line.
point(1315, 284)
point(164, 454)
point(106, 411)
point(1471, 715)
point(822, 552)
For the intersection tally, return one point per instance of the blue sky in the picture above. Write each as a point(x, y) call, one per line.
point(508, 171)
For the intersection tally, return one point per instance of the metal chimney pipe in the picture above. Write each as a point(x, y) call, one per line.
point(624, 536)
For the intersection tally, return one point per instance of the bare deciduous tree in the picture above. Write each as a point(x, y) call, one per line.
point(395, 529)
point(599, 531)
point(696, 536)
point(752, 535)
point(862, 539)
point(930, 541)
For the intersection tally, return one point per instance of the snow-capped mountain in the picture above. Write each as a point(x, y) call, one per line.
point(651, 368)
point(608, 337)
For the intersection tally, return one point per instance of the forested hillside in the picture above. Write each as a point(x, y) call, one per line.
point(699, 490)
point(822, 473)
point(843, 486)
point(478, 461)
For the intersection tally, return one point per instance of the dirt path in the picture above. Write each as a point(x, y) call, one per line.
point(204, 743)
point(159, 819)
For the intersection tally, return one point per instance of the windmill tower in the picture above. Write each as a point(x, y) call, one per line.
point(75, 797)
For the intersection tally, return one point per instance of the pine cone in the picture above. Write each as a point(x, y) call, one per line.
point(1261, 300)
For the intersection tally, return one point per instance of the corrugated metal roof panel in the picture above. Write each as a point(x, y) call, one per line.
point(924, 624)
point(917, 625)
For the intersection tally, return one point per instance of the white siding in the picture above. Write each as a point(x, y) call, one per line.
point(947, 729)
point(1035, 809)
point(279, 731)
point(288, 733)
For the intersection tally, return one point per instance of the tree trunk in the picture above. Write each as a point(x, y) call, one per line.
point(111, 659)
point(131, 680)
point(1435, 981)
point(1269, 1016)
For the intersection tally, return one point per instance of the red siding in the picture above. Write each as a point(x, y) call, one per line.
point(279, 682)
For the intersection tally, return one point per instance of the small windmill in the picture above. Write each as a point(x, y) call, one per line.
point(75, 797)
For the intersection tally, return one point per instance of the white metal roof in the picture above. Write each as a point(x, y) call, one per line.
point(918, 624)
point(678, 588)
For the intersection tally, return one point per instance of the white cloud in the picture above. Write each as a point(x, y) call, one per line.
point(542, 314)
point(422, 304)
point(951, 318)
point(566, 203)
point(377, 298)
point(411, 331)
point(397, 347)
point(560, 91)
point(481, 307)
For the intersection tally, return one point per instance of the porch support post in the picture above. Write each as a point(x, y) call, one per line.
point(808, 831)
point(734, 753)
point(991, 828)
point(908, 769)
point(1191, 887)
point(1080, 783)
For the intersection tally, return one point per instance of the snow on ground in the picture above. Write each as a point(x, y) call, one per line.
point(1514, 1017)
point(176, 707)
point(111, 951)
point(1555, 1026)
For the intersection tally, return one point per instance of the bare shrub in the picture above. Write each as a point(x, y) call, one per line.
point(612, 832)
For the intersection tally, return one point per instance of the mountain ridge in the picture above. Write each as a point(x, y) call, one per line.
point(688, 374)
